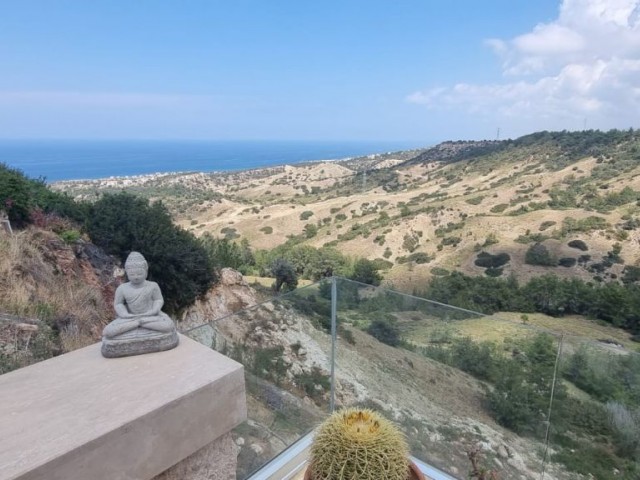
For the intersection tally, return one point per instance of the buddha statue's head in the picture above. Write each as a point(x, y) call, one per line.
point(136, 267)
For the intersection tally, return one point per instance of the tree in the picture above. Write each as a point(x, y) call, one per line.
point(124, 223)
point(385, 332)
point(310, 230)
point(20, 196)
point(364, 271)
point(284, 274)
point(538, 254)
point(224, 253)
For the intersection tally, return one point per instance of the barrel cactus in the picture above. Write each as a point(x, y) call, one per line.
point(358, 444)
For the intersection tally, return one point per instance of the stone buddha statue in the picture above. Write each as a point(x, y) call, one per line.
point(140, 325)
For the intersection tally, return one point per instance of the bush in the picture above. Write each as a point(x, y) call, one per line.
point(364, 271)
point(310, 230)
point(567, 262)
point(385, 332)
point(487, 260)
point(382, 264)
point(546, 224)
point(453, 241)
point(267, 230)
point(307, 381)
point(284, 274)
point(70, 236)
point(501, 207)
point(475, 200)
point(20, 196)
point(493, 272)
point(419, 258)
point(578, 244)
point(538, 254)
point(124, 223)
point(225, 253)
point(439, 271)
point(306, 215)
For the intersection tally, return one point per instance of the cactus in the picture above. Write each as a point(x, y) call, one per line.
point(359, 444)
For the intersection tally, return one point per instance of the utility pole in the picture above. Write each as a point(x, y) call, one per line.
point(498, 134)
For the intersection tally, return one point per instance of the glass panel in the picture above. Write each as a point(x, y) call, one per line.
point(596, 423)
point(457, 382)
point(284, 346)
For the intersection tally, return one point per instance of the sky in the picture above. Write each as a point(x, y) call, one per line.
point(407, 70)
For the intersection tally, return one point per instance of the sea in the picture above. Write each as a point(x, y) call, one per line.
point(55, 160)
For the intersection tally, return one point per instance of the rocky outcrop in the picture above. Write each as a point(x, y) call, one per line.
point(231, 294)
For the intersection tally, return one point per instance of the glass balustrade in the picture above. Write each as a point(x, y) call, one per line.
point(511, 396)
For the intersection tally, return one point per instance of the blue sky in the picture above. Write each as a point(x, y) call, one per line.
point(419, 70)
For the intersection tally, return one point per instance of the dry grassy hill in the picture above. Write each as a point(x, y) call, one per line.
point(449, 202)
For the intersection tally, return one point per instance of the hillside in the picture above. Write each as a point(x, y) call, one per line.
point(431, 211)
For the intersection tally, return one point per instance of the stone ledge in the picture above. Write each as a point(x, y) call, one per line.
point(84, 416)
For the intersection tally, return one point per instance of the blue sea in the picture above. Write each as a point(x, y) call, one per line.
point(68, 160)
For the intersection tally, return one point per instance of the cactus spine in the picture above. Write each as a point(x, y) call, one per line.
point(359, 444)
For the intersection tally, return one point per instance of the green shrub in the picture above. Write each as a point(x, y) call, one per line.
point(20, 196)
point(439, 271)
point(382, 264)
point(229, 233)
point(475, 200)
point(269, 363)
point(571, 225)
point(410, 242)
point(307, 381)
point(385, 331)
point(453, 241)
point(177, 261)
point(310, 230)
point(578, 244)
point(493, 272)
point(487, 260)
point(70, 236)
point(501, 207)
point(546, 224)
point(538, 254)
point(267, 230)
point(567, 262)
point(419, 258)
point(306, 215)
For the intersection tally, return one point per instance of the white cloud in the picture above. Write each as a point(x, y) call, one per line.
point(584, 63)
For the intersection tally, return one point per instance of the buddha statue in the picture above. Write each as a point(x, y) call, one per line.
point(140, 325)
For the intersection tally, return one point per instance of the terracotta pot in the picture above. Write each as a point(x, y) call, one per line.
point(413, 474)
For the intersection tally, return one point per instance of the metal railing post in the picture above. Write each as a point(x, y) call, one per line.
point(334, 339)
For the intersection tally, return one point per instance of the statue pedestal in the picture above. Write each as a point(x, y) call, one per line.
point(84, 416)
point(138, 342)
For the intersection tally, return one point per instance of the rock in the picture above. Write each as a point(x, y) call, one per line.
point(302, 352)
point(516, 462)
point(454, 470)
point(498, 462)
point(240, 441)
point(231, 294)
point(26, 327)
point(502, 452)
point(485, 446)
point(257, 449)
